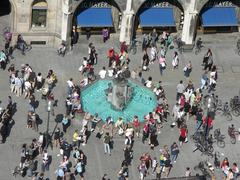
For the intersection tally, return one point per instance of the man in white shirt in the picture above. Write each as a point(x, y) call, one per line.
point(70, 86)
point(102, 73)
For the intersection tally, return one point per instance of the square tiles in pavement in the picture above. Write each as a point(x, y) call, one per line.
point(220, 69)
point(235, 68)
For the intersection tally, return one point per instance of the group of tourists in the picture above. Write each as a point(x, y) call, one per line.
point(73, 160)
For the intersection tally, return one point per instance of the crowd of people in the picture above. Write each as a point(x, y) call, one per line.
point(188, 105)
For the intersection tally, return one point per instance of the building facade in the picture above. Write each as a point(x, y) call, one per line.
point(49, 22)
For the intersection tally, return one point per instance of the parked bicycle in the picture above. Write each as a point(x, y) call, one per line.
point(206, 168)
point(233, 133)
point(203, 145)
point(224, 111)
point(235, 105)
point(219, 138)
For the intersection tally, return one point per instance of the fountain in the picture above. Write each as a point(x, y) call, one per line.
point(119, 92)
point(119, 97)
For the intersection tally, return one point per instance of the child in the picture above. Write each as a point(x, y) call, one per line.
point(188, 172)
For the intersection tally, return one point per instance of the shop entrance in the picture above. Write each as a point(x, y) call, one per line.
point(161, 15)
point(93, 16)
point(219, 17)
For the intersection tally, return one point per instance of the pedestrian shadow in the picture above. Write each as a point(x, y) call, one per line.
point(9, 128)
point(38, 120)
point(36, 104)
point(14, 109)
point(59, 118)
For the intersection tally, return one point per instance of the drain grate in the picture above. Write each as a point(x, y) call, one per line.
point(235, 68)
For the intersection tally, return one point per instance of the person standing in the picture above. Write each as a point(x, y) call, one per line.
point(102, 73)
point(175, 61)
point(18, 86)
point(74, 36)
point(39, 81)
point(136, 125)
point(106, 142)
point(105, 34)
point(154, 37)
point(145, 61)
point(110, 56)
point(45, 161)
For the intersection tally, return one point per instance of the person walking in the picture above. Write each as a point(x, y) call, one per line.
point(162, 64)
point(65, 123)
point(76, 139)
point(174, 151)
point(180, 90)
point(187, 69)
point(79, 169)
point(106, 142)
point(183, 135)
point(208, 60)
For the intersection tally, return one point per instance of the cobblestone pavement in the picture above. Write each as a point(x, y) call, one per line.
point(42, 59)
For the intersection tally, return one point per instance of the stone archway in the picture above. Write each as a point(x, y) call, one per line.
point(85, 4)
point(206, 4)
point(8, 7)
point(178, 7)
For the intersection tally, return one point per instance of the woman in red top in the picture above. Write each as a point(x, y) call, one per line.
point(136, 125)
point(183, 135)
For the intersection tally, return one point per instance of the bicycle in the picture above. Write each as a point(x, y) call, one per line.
point(235, 106)
point(233, 133)
point(204, 146)
point(224, 111)
point(206, 169)
point(17, 171)
point(219, 138)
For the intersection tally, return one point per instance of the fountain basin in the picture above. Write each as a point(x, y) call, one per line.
point(94, 100)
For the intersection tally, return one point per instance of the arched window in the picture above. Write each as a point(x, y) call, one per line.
point(39, 13)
